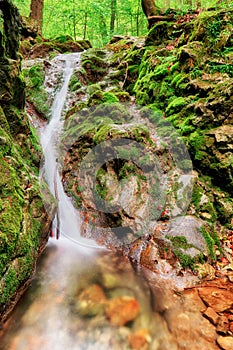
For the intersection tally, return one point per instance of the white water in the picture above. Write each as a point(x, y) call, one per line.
point(67, 221)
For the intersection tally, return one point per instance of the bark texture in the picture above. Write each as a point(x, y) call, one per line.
point(36, 12)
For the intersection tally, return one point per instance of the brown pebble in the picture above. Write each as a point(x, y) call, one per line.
point(139, 340)
point(226, 343)
point(121, 310)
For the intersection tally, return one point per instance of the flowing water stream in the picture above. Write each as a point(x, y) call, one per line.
point(86, 297)
point(49, 316)
point(67, 219)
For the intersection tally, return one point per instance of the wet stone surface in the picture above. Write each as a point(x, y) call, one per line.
point(81, 301)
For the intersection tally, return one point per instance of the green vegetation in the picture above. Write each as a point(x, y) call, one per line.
point(212, 241)
point(180, 246)
point(35, 92)
point(89, 20)
point(19, 232)
point(92, 19)
point(183, 73)
point(22, 215)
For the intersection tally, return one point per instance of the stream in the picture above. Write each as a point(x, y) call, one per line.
point(84, 296)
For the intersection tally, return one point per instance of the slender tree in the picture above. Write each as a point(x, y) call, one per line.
point(36, 12)
point(85, 24)
point(103, 29)
point(137, 18)
point(113, 15)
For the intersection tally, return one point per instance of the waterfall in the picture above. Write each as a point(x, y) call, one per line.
point(67, 220)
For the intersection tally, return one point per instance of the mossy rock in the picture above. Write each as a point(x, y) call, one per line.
point(58, 45)
point(213, 28)
point(189, 245)
point(24, 223)
point(159, 33)
point(35, 90)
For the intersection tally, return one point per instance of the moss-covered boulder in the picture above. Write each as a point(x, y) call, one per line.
point(33, 45)
point(187, 77)
point(184, 76)
point(24, 224)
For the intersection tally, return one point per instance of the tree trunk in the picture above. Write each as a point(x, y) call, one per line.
point(36, 12)
point(149, 8)
point(85, 25)
point(153, 13)
point(113, 15)
point(137, 18)
point(103, 30)
point(74, 21)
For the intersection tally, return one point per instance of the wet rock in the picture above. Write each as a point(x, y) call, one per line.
point(219, 299)
point(226, 343)
point(110, 280)
point(211, 315)
point(188, 227)
point(223, 325)
point(122, 310)
point(140, 340)
point(188, 319)
point(91, 301)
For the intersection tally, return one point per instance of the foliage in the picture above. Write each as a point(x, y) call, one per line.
point(92, 19)
point(89, 19)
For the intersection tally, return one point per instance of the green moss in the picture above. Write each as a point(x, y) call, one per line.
point(9, 287)
point(3, 121)
point(197, 195)
point(122, 96)
point(186, 260)
point(101, 188)
point(179, 242)
point(197, 143)
point(180, 245)
point(221, 68)
point(209, 208)
point(127, 169)
point(36, 76)
point(110, 97)
point(103, 133)
point(176, 105)
point(162, 70)
point(180, 80)
point(142, 98)
point(212, 241)
point(35, 91)
point(74, 83)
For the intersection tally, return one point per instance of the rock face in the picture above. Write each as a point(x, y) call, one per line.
point(181, 80)
point(186, 81)
point(24, 224)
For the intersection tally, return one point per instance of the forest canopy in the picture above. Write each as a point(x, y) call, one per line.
point(98, 20)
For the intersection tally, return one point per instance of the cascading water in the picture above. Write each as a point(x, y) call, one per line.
point(67, 220)
point(75, 298)
point(52, 313)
